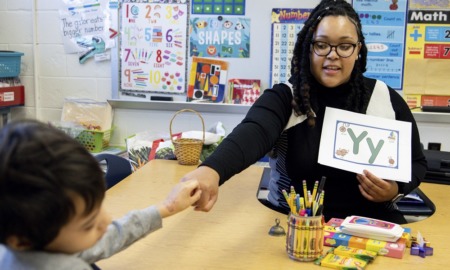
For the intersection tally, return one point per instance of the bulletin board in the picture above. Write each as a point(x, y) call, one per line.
point(252, 65)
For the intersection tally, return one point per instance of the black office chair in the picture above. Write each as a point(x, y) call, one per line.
point(422, 206)
point(117, 168)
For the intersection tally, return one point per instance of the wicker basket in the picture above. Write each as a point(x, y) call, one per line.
point(187, 150)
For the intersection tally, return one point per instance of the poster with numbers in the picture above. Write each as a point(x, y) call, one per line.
point(153, 47)
point(286, 23)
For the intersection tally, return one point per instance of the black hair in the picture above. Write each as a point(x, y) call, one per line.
point(41, 168)
point(301, 77)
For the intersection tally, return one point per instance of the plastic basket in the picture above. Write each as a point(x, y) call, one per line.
point(10, 63)
point(187, 150)
point(94, 141)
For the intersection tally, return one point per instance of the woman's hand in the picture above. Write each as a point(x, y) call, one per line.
point(209, 185)
point(376, 189)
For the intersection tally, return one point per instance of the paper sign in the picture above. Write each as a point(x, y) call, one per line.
point(354, 142)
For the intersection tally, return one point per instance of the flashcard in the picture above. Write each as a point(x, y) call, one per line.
point(354, 142)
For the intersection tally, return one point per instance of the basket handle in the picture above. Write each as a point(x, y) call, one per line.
point(186, 110)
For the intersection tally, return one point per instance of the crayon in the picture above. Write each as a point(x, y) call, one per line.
point(302, 238)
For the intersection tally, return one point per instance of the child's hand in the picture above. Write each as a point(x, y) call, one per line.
point(183, 195)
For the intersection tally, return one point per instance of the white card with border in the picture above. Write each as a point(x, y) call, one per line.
point(355, 142)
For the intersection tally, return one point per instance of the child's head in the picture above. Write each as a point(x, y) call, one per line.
point(51, 190)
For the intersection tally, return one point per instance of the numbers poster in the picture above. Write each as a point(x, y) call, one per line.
point(286, 23)
point(153, 47)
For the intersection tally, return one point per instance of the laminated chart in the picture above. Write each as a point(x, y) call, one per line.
point(384, 27)
point(153, 47)
point(286, 23)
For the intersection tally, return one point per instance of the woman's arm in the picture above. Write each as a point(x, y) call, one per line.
point(255, 135)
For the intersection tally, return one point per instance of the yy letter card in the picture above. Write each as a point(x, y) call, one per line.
point(355, 142)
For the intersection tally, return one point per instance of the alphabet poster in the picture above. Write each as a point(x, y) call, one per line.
point(153, 48)
point(354, 142)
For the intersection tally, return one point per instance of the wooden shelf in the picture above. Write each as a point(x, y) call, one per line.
point(430, 117)
point(176, 105)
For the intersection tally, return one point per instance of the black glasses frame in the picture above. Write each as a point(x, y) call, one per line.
point(334, 46)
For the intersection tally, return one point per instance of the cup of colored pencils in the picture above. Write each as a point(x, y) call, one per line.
point(304, 238)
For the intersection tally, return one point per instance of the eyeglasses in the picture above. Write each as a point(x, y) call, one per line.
point(343, 50)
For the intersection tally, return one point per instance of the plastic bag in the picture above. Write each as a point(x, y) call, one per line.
point(92, 114)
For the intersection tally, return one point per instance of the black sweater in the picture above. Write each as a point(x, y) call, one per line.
point(258, 133)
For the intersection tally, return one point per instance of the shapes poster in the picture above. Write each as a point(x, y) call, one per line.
point(220, 36)
point(207, 80)
point(153, 47)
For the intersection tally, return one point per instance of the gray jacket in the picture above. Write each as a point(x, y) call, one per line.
point(121, 233)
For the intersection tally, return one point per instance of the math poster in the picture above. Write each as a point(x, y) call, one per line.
point(219, 36)
point(153, 47)
point(384, 28)
point(355, 142)
point(427, 48)
point(286, 23)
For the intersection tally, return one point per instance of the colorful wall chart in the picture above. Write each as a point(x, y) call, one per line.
point(427, 48)
point(428, 34)
point(286, 23)
point(384, 27)
point(153, 47)
point(219, 36)
point(225, 7)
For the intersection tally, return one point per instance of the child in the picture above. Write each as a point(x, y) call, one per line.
point(51, 194)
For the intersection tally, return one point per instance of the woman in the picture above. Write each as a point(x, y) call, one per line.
point(327, 71)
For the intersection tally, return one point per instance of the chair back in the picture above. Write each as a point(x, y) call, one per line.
point(117, 168)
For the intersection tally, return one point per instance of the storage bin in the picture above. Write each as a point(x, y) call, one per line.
point(10, 63)
point(94, 141)
point(12, 96)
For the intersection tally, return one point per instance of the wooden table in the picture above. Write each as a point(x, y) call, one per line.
point(234, 234)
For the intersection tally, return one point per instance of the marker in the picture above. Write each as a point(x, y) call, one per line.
point(322, 184)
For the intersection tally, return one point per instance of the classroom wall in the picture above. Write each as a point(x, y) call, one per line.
point(50, 75)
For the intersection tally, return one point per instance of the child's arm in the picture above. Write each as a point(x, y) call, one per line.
point(138, 223)
point(180, 198)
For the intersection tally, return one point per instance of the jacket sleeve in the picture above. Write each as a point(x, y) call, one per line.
point(255, 135)
point(123, 232)
point(419, 163)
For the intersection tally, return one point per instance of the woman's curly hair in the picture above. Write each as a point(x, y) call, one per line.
point(304, 101)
